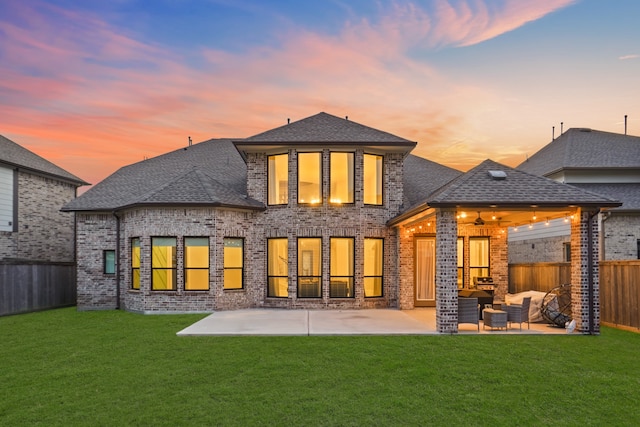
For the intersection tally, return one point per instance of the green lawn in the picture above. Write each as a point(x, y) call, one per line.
point(113, 368)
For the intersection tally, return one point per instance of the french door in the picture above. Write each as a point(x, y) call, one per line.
point(425, 271)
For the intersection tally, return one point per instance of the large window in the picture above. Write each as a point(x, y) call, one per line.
point(278, 171)
point(372, 179)
point(460, 262)
point(109, 261)
point(163, 263)
point(233, 263)
point(342, 178)
point(309, 267)
point(310, 178)
point(196, 263)
point(135, 263)
point(373, 267)
point(478, 257)
point(341, 280)
point(278, 268)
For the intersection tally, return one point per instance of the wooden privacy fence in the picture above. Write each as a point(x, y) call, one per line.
point(542, 276)
point(620, 293)
point(619, 287)
point(36, 286)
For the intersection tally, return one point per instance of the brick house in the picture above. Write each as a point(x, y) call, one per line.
point(37, 241)
point(319, 213)
point(32, 191)
point(601, 162)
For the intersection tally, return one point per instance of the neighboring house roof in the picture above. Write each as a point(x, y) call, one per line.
point(211, 173)
point(15, 155)
point(628, 194)
point(585, 149)
point(477, 187)
point(422, 177)
point(326, 129)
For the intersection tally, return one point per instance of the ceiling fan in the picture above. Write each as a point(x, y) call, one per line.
point(479, 220)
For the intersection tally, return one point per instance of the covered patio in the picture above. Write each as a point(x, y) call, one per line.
point(459, 233)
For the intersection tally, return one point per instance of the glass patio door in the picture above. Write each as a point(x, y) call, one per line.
point(425, 270)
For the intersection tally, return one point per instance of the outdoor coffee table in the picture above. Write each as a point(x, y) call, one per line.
point(494, 318)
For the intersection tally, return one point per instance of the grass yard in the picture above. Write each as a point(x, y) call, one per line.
point(64, 367)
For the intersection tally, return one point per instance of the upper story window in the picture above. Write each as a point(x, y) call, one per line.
point(278, 186)
point(310, 178)
point(342, 178)
point(372, 179)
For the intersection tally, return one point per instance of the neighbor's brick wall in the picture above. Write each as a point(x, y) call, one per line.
point(621, 237)
point(44, 233)
point(549, 249)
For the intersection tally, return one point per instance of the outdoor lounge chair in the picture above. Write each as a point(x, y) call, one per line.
point(519, 313)
point(469, 311)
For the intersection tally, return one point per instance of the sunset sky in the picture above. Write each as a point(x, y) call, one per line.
point(93, 85)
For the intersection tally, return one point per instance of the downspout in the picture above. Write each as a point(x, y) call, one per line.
point(590, 268)
point(117, 260)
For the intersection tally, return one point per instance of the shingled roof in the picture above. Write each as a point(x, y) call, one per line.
point(423, 177)
point(326, 128)
point(211, 173)
point(584, 149)
point(15, 155)
point(477, 187)
point(628, 194)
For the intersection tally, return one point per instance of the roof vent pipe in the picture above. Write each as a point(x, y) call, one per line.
point(346, 117)
point(190, 142)
point(625, 124)
point(561, 127)
point(553, 133)
point(288, 120)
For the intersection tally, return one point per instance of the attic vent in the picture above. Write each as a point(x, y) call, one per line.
point(498, 175)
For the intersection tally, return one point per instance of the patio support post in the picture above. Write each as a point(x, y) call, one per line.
point(446, 271)
point(585, 289)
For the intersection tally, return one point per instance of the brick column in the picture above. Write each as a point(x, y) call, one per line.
point(446, 271)
point(580, 271)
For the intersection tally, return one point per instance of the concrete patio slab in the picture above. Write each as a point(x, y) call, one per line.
point(277, 322)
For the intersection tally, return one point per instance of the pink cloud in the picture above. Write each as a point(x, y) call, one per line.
point(92, 98)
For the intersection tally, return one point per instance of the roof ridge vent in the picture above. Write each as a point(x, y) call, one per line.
point(498, 175)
